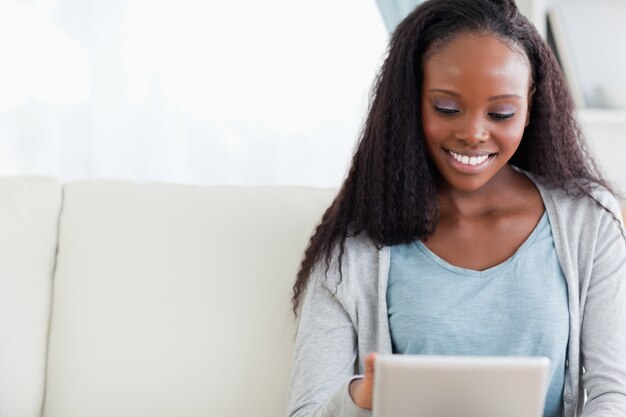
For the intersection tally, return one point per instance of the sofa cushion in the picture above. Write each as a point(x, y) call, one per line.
point(174, 300)
point(29, 214)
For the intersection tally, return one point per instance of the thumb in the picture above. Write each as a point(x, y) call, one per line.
point(368, 377)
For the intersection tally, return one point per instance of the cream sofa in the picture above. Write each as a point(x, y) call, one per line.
point(146, 300)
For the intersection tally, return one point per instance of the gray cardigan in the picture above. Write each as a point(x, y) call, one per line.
point(342, 320)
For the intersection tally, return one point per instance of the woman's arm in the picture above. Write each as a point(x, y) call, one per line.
point(325, 356)
point(603, 333)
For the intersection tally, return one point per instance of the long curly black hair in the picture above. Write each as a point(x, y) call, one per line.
point(389, 192)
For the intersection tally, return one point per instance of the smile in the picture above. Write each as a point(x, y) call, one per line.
point(469, 160)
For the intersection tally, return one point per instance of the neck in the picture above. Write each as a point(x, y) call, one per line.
point(500, 192)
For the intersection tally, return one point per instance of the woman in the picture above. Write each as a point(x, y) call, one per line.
point(472, 222)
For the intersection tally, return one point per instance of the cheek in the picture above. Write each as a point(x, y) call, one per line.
point(435, 130)
point(511, 135)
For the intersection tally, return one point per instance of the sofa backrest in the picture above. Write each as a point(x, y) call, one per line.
point(29, 213)
point(174, 300)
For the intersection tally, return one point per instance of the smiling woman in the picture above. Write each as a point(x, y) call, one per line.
point(473, 113)
point(472, 222)
point(473, 119)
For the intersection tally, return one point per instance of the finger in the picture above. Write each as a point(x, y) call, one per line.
point(369, 367)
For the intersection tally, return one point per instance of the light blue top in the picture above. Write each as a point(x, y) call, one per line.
point(516, 308)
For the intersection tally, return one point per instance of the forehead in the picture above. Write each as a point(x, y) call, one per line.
point(474, 60)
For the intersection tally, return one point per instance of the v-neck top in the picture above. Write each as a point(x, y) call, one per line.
point(543, 221)
point(516, 308)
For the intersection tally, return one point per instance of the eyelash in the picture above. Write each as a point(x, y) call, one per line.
point(496, 116)
point(501, 116)
point(445, 111)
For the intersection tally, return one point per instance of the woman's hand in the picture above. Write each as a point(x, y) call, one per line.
point(361, 389)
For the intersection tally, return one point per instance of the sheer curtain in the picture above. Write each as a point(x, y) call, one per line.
point(210, 92)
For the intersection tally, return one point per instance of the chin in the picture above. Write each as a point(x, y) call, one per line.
point(466, 182)
point(467, 186)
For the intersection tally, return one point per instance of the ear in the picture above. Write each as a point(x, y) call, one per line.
point(531, 94)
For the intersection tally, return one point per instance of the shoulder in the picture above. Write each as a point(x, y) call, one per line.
point(578, 215)
point(570, 198)
point(355, 265)
point(359, 253)
point(572, 194)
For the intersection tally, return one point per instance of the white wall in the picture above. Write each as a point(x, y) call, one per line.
point(606, 135)
point(596, 34)
point(194, 91)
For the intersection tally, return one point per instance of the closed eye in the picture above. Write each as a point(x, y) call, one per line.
point(501, 116)
point(445, 110)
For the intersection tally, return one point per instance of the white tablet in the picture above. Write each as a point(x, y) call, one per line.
point(460, 386)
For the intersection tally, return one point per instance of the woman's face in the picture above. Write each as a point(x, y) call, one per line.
point(475, 104)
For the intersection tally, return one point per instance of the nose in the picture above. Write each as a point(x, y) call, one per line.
point(471, 130)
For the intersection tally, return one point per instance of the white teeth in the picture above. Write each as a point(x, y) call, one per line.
point(466, 160)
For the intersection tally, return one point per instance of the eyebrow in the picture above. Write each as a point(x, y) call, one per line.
point(494, 98)
point(457, 95)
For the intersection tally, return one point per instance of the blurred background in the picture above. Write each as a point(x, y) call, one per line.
point(243, 92)
point(210, 92)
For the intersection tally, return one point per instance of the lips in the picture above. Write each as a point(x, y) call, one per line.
point(470, 159)
point(469, 162)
